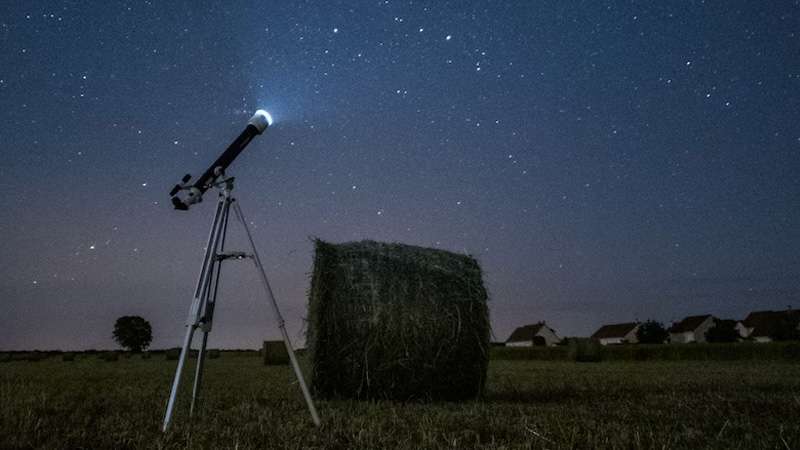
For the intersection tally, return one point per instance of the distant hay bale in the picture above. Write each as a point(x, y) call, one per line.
point(109, 356)
point(397, 322)
point(172, 354)
point(585, 350)
point(274, 353)
point(68, 357)
point(35, 356)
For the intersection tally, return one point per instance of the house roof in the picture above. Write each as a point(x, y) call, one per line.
point(767, 323)
point(616, 330)
point(526, 333)
point(689, 324)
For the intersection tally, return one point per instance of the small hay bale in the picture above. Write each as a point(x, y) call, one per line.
point(585, 350)
point(392, 321)
point(274, 353)
point(173, 354)
point(109, 356)
point(35, 356)
point(68, 357)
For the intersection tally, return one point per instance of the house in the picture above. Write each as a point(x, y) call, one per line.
point(765, 326)
point(620, 333)
point(691, 329)
point(530, 335)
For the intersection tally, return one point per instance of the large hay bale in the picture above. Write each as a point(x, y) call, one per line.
point(274, 353)
point(396, 321)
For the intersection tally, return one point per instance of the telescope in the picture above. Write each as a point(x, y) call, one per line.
point(204, 300)
point(255, 126)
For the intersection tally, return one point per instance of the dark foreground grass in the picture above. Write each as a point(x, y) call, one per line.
point(89, 403)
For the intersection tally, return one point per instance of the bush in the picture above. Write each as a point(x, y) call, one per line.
point(396, 321)
point(773, 351)
point(559, 353)
point(652, 332)
point(722, 331)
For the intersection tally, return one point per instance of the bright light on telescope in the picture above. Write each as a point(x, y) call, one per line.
point(261, 120)
point(268, 116)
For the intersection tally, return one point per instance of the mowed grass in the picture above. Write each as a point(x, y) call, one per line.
point(91, 403)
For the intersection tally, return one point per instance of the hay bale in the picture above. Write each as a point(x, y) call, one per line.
point(35, 356)
point(274, 353)
point(172, 354)
point(397, 322)
point(109, 356)
point(68, 357)
point(585, 350)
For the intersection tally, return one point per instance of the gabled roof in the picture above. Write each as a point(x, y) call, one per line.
point(617, 330)
point(689, 324)
point(767, 323)
point(526, 333)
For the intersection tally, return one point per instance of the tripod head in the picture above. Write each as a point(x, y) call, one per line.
point(255, 126)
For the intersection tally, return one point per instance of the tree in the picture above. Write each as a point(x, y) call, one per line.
point(133, 333)
point(651, 332)
point(785, 328)
point(722, 331)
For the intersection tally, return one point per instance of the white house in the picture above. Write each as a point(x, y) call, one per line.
point(619, 333)
point(763, 326)
point(530, 335)
point(691, 329)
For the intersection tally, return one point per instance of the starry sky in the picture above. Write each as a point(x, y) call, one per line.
point(604, 161)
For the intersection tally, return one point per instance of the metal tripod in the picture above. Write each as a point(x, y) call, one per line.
point(201, 313)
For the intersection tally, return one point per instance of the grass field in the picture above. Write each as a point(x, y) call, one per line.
point(90, 403)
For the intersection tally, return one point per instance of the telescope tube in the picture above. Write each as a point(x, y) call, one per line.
point(255, 126)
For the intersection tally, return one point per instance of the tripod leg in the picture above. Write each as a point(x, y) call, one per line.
point(198, 375)
point(281, 324)
point(194, 309)
point(187, 342)
point(208, 312)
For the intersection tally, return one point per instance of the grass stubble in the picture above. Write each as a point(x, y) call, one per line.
point(90, 403)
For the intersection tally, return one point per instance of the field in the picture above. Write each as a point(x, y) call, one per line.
point(91, 403)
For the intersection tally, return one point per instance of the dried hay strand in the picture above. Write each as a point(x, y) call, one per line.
point(393, 321)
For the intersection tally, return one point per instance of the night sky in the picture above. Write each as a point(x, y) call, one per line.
point(604, 161)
